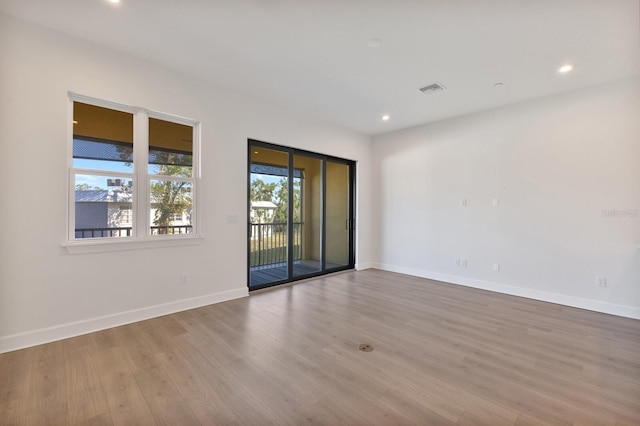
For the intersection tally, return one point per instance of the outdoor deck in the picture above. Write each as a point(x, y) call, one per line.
point(261, 275)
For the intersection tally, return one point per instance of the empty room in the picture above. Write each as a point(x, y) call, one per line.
point(267, 212)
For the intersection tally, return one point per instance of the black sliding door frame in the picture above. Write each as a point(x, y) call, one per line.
point(291, 153)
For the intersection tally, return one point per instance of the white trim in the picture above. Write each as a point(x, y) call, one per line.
point(561, 299)
point(197, 175)
point(171, 118)
point(71, 208)
point(141, 203)
point(364, 265)
point(64, 331)
point(71, 211)
point(142, 206)
point(102, 173)
point(75, 97)
point(100, 245)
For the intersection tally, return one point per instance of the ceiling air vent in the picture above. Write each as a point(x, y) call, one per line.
point(432, 88)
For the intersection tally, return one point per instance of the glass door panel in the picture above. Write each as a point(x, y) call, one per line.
point(338, 224)
point(269, 217)
point(307, 215)
point(300, 214)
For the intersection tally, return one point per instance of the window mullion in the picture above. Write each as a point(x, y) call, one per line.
point(98, 172)
point(141, 188)
point(113, 153)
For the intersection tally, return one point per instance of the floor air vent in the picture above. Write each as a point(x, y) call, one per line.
point(365, 347)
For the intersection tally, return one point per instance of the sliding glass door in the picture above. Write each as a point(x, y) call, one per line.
point(308, 215)
point(301, 210)
point(338, 215)
point(269, 215)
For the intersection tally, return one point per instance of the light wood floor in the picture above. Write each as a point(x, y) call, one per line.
point(443, 355)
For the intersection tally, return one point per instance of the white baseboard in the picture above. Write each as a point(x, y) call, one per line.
point(364, 265)
point(64, 331)
point(561, 299)
point(45, 335)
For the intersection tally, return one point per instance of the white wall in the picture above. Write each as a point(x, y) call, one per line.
point(554, 165)
point(46, 293)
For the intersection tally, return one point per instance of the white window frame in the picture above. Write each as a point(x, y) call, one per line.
point(141, 200)
point(128, 214)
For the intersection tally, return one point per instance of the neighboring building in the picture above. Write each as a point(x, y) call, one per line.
point(102, 209)
point(262, 211)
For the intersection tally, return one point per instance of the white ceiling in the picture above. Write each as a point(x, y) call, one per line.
point(313, 55)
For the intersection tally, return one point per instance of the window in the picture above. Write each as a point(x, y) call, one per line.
point(176, 217)
point(133, 172)
point(126, 216)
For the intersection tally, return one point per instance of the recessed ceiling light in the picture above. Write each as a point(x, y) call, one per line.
point(374, 42)
point(565, 68)
point(114, 1)
point(385, 117)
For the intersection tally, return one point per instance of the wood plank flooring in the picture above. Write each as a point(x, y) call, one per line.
point(443, 355)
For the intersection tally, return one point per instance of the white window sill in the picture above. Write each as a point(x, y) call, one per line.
point(120, 244)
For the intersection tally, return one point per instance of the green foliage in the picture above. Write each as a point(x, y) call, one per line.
point(261, 191)
point(171, 197)
point(85, 187)
point(277, 193)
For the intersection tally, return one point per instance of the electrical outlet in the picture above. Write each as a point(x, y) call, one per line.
point(458, 263)
point(601, 281)
point(184, 278)
point(496, 267)
point(464, 263)
point(463, 202)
